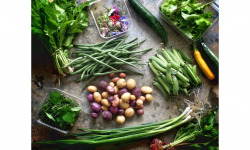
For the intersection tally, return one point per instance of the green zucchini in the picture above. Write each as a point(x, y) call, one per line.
point(211, 55)
point(150, 19)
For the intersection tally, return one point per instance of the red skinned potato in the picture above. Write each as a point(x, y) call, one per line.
point(136, 92)
point(116, 101)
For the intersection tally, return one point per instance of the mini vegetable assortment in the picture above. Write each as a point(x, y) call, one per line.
point(112, 22)
point(118, 97)
point(57, 23)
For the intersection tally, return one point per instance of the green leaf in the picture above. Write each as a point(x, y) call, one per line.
point(56, 97)
point(191, 16)
point(76, 108)
point(68, 116)
point(50, 116)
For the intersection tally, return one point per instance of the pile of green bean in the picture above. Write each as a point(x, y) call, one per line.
point(94, 60)
point(173, 72)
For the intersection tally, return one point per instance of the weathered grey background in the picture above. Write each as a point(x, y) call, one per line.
point(43, 76)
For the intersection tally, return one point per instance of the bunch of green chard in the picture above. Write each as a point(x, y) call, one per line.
point(95, 60)
point(173, 72)
point(198, 136)
point(60, 111)
point(188, 16)
point(55, 24)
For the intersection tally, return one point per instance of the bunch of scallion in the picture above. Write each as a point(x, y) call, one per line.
point(93, 60)
point(97, 138)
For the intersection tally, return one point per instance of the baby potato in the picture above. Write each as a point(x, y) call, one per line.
point(146, 89)
point(132, 97)
point(97, 97)
point(105, 102)
point(139, 102)
point(116, 89)
point(112, 84)
point(120, 119)
point(149, 97)
point(121, 83)
point(125, 97)
point(92, 88)
point(104, 108)
point(131, 84)
point(105, 95)
point(129, 112)
point(123, 105)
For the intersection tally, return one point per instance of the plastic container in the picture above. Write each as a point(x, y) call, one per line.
point(67, 95)
point(212, 8)
point(99, 5)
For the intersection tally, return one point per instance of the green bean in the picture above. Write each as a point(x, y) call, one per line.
point(73, 61)
point(178, 57)
point(173, 57)
point(195, 73)
point(121, 42)
point(153, 69)
point(158, 66)
point(175, 85)
point(167, 88)
point(185, 57)
point(106, 43)
point(88, 82)
point(122, 60)
point(160, 62)
point(100, 62)
point(129, 42)
point(191, 74)
point(186, 74)
point(169, 59)
point(117, 71)
point(78, 71)
point(149, 49)
point(168, 74)
point(162, 58)
point(165, 94)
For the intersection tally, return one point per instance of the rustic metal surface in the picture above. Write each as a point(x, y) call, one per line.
point(43, 76)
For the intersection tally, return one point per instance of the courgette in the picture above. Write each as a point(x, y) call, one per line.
point(150, 19)
point(211, 55)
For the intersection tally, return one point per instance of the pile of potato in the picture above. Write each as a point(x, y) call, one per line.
point(118, 98)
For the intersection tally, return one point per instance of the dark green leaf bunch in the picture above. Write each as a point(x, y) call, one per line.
point(60, 111)
point(199, 136)
point(188, 16)
point(55, 24)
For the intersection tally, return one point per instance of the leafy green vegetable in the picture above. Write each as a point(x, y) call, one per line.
point(60, 111)
point(188, 16)
point(55, 24)
point(200, 136)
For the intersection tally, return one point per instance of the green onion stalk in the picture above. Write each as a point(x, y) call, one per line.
point(95, 138)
